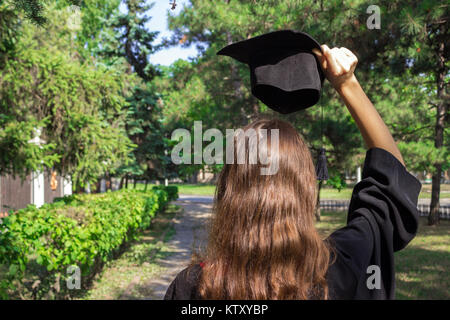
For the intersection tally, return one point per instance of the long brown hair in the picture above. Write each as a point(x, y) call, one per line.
point(262, 240)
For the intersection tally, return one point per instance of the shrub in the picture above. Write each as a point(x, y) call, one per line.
point(172, 191)
point(38, 245)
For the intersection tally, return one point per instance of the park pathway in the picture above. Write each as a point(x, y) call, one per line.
point(190, 234)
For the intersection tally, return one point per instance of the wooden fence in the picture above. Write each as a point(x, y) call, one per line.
point(16, 193)
point(424, 209)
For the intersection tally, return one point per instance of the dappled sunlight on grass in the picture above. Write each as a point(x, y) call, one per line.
point(330, 221)
point(421, 268)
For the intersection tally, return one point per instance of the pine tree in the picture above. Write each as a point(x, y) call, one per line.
point(127, 37)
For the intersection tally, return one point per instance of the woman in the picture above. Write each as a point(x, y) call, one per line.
point(263, 243)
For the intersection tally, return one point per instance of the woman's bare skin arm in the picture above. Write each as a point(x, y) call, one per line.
point(339, 65)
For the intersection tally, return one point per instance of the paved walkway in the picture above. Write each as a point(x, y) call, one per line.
point(190, 234)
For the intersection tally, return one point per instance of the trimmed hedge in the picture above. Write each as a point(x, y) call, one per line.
point(78, 230)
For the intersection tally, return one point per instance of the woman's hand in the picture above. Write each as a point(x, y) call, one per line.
point(338, 64)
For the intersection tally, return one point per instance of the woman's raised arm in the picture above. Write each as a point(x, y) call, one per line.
point(338, 65)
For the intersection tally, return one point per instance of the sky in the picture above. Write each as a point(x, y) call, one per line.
point(158, 22)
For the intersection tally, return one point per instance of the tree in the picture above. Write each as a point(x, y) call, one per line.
point(126, 36)
point(79, 106)
point(396, 63)
point(144, 129)
point(416, 41)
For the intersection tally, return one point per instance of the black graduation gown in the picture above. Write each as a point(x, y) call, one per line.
point(382, 218)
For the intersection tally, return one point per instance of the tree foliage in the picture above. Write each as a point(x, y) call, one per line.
point(79, 105)
point(397, 66)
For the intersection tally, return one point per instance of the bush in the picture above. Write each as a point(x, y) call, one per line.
point(172, 191)
point(37, 246)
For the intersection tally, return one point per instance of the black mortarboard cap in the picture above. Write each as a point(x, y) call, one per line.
point(284, 73)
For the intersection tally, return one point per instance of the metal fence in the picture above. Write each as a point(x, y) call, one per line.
point(424, 209)
point(444, 211)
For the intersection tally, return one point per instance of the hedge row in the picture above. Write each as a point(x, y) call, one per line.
point(37, 246)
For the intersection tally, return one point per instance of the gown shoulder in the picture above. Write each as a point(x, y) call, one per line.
point(382, 218)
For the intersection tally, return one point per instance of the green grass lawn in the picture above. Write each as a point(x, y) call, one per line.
point(422, 267)
point(196, 189)
point(325, 193)
point(188, 189)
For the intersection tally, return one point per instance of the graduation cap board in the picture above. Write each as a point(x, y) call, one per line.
point(284, 73)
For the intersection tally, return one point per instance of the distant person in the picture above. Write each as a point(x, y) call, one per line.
point(263, 243)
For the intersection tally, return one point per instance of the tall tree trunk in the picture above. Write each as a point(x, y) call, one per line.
point(121, 182)
point(442, 106)
point(317, 213)
point(255, 108)
point(146, 183)
point(237, 85)
point(194, 178)
point(126, 181)
point(98, 185)
point(109, 182)
point(78, 188)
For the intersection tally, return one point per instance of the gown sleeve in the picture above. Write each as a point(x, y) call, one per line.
point(184, 286)
point(382, 218)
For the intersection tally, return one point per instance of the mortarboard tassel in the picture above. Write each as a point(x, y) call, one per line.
point(321, 166)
